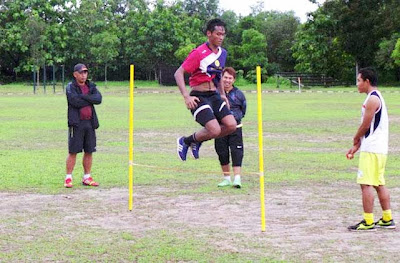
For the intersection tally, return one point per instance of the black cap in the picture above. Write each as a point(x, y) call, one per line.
point(80, 67)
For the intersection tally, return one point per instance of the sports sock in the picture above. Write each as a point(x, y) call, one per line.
point(387, 215)
point(369, 218)
point(68, 176)
point(86, 176)
point(237, 176)
point(227, 177)
point(190, 139)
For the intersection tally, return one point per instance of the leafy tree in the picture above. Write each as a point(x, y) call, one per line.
point(357, 29)
point(21, 45)
point(157, 37)
point(396, 53)
point(204, 9)
point(233, 40)
point(111, 34)
point(134, 19)
point(94, 33)
point(192, 32)
point(361, 24)
point(384, 57)
point(318, 50)
point(280, 30)
point(257, 8)
point(254, 52)
point(230, 18)
point(105, 48)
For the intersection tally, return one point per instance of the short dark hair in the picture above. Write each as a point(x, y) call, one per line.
point(370, 74)
point(213, 23)
point(230, 70)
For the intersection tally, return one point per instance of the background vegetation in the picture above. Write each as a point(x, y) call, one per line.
point(108, 35)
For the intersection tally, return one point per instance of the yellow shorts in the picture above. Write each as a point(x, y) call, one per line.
point(371, 169)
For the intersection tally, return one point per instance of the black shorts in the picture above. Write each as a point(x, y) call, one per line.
point(82, 137)
point(232, 145)
point(210, 107)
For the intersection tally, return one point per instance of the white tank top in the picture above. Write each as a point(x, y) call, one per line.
point(376, 139)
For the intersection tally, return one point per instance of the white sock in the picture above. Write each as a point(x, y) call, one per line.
point(237, 176)
point(227, 177)
point(68, 176)
point(86, 176)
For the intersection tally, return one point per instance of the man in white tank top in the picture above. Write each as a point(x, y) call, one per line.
point(372, 140)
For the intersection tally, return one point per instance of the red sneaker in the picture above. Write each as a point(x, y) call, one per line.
point(68, 183)
point(89, 182)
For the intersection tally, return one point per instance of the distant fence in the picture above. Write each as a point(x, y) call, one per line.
point(166, 75)
point(308, 79)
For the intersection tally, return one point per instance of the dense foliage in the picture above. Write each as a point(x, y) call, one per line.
point(108, 35)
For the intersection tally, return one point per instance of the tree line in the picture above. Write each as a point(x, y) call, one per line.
point(108, 35)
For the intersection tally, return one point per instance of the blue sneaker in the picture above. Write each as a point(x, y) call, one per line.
point(195, 149)
point(182, 148)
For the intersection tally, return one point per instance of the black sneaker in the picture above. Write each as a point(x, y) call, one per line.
point(362, 226)
point(385, 224)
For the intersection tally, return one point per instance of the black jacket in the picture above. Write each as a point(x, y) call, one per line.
point(238, 104)
point(76, 100)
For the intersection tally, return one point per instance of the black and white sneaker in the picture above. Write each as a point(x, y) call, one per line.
point(362, 226)
point(385, 224)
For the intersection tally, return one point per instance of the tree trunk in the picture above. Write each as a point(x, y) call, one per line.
point(37, 79)
point(105, 75)
point(398, 74)
point(356, 71)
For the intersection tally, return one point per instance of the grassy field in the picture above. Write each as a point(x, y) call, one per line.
point(179, 214)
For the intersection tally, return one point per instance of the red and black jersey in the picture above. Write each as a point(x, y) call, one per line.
point(204, 65)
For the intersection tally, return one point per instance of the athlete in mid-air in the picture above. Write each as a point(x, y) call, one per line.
point(209, 107)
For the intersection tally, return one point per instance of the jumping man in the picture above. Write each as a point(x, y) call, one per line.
point(209, 108)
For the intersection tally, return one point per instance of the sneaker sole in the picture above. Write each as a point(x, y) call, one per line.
point(386, 227)
point(228, 185)
point(237, 186)
point(363, 230)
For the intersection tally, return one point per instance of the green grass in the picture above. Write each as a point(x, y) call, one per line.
point(306, 137)
point(298, 128)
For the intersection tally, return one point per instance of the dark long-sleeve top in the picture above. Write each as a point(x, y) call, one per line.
point(76, 101)
point(237, 101)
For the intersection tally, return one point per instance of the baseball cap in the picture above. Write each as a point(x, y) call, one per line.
point(80, 67)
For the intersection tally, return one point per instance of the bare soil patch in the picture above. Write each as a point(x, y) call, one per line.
point(303, 223)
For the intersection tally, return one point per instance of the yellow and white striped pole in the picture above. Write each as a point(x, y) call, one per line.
point(131, 87)
point(260, 147)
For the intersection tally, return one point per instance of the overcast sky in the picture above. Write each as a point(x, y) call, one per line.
point(300, 7)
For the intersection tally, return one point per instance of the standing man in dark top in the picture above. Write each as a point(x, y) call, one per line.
point(209, 108)
point(232, 142)
point(82, 95)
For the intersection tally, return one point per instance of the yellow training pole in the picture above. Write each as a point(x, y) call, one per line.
point(260, 147)
point(131, 86)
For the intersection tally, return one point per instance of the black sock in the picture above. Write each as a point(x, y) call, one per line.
point(190, 139)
